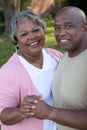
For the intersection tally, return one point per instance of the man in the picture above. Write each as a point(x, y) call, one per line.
point(70, 82)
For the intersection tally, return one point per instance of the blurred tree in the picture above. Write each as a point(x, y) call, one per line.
point(10, 8)
point(48, 7)
point(43, 8)
point(79, 3)
point(25, 4)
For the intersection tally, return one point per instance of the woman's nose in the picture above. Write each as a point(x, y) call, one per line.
point(30, 35)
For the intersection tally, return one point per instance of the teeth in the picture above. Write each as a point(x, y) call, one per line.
point(34, 43)
point(64, 40)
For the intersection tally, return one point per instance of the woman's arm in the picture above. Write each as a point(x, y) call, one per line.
point(10, 116)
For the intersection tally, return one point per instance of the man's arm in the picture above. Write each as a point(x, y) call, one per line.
point(75, 119)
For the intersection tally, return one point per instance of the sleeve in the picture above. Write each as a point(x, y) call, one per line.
point(9, 93)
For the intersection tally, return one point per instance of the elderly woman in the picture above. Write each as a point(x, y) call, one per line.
point(28, 72)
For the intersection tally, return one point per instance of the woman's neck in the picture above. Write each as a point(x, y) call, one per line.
point(36, 61)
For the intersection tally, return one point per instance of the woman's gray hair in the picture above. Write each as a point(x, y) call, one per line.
point(22, 15)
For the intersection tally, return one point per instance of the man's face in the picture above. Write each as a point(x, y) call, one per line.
point(69, 31)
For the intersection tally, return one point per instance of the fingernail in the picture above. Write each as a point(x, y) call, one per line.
point(35, 101)
point(33, 107)
point(31, 113)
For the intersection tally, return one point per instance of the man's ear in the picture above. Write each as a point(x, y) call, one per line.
point(85, 27)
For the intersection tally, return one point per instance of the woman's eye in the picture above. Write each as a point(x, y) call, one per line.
point(36, 30)
point(24, 34)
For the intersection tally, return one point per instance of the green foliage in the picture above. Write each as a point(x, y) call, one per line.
point(2, 24)
point(50, 36)
point(6, 50)
point(50, 40)
point(24, 4)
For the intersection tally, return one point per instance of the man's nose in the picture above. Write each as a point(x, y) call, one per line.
point(62, 31)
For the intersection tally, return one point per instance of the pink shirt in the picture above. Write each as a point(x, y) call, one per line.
point(14, 86)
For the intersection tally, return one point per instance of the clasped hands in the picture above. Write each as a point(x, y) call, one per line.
point(34, 106)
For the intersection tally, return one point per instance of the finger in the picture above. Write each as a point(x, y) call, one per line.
point(30, 114)
point(34, 97)
point(31, 99)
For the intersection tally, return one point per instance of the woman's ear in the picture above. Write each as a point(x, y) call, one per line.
point(15, 38)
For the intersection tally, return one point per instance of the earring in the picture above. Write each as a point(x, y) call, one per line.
point(17, 49)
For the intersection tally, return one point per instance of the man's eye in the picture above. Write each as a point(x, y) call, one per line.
point(57, 28)
point(69, 26)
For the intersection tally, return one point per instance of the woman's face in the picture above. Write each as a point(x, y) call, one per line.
point(30, 37)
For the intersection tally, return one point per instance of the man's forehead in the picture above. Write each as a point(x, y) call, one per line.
point(68, 16)
point(64, 17)
point(65, 13)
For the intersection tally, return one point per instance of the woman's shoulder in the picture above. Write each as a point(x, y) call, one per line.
point(53, 50)
point(55, 53)
point(11, 64)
